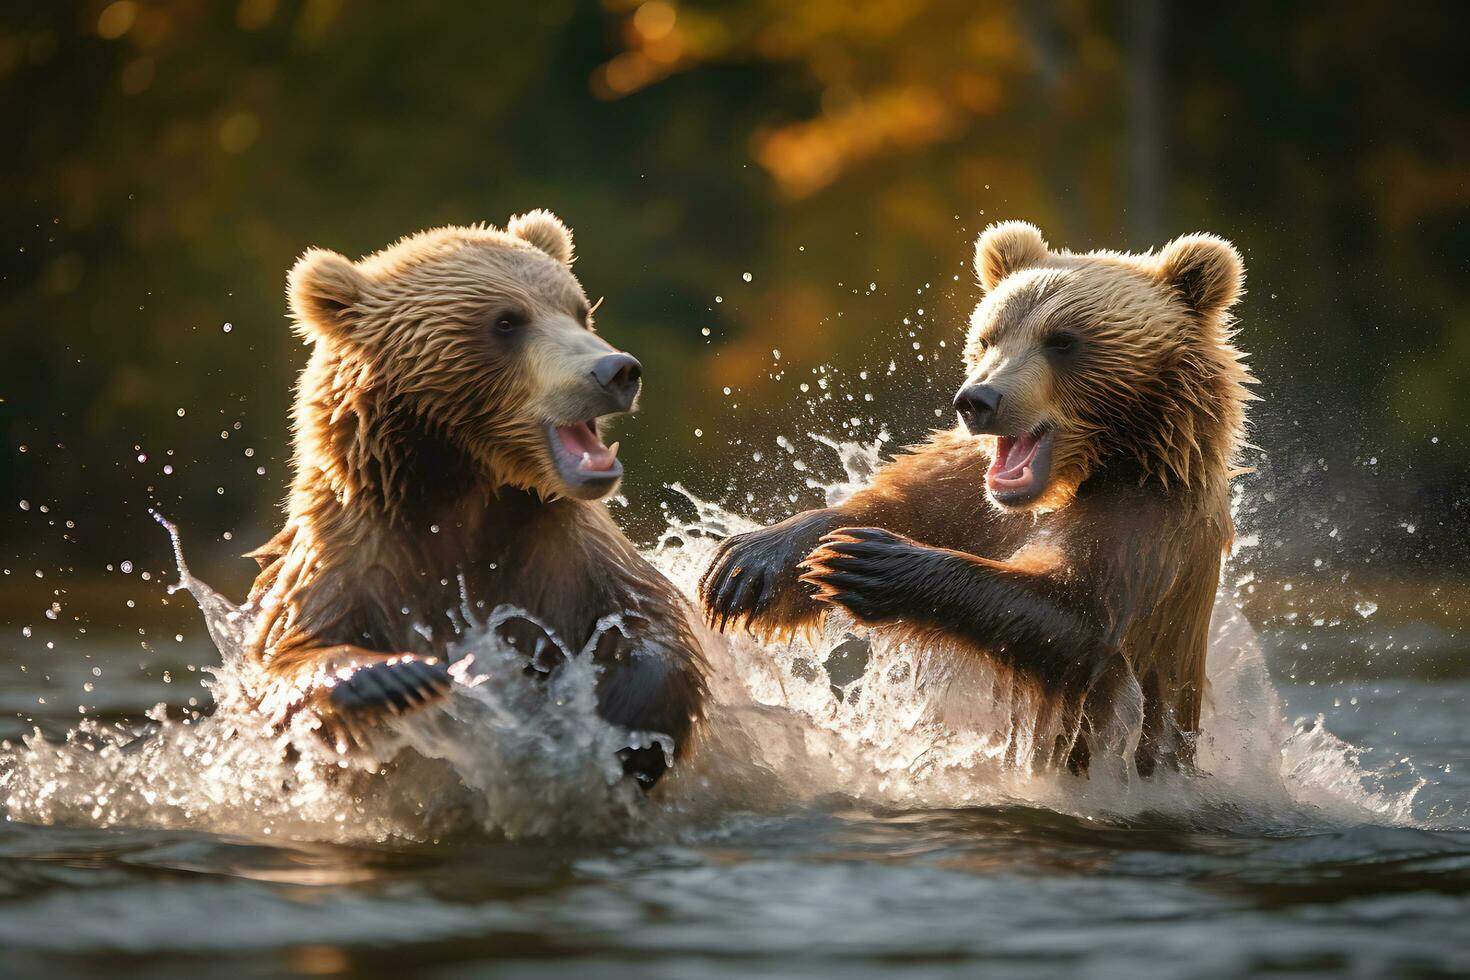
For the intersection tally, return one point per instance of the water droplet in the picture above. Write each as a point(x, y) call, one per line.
point(25, 505)
point(126, 568)
point(747, 277)
point(181, 413)
point(228, 327)
point(1366, 607)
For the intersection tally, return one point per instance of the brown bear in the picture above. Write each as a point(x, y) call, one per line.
point(1102, 414)
point(447, 451)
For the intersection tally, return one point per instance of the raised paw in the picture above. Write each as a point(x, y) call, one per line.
point(393, 687)
point(752, 580)
point(868, 571)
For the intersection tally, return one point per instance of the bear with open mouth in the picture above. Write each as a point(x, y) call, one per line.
point(1070, 530)
point(449, 449)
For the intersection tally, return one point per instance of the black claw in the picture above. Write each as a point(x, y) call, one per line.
point(869, 550)
point(847, 580)
point(380, 683)
point(428, 679)
point(745, 594)
point(714, 572)
point(725, 604)
point(346, 696)
point(846, 563)
point(409, 679)
point(728, 584)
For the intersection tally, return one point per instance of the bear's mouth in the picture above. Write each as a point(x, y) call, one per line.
point(588, 467)
point(1021, 467)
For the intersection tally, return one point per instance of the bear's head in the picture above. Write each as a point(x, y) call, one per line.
point(1077, 360)
point(470, 341)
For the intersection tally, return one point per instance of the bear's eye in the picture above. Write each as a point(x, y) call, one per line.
point(1061, 343)
point(509, 322)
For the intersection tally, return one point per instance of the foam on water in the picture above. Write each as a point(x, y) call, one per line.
point(788, 724)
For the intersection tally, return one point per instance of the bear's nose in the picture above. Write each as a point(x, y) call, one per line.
point(618, 374)
point(978, 406)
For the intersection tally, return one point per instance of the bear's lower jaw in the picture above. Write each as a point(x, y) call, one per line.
point(587, 469)
point(1021, 468)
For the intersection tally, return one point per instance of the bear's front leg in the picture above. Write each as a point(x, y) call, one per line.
point(1028, 621)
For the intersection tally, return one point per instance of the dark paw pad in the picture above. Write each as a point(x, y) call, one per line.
point(393, 687)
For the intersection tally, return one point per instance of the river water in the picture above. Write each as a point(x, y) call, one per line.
point(849, 813)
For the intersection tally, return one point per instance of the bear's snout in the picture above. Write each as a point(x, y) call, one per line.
point(978, 407)
point(619, 375)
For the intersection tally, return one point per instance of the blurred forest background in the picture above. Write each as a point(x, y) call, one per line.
point(743, 178)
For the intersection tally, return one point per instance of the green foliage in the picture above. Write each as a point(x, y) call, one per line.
point(169, 159)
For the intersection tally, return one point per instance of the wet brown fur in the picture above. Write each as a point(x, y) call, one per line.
point(422, 468)
point(1107, 578)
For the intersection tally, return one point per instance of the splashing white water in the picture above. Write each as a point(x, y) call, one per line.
point(509, 752)
point(919, 728)
point(788, 723)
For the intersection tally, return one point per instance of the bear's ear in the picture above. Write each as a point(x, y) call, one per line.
point(1205, 270)
point(544, 230)
point(1008, 247)
point(323, 288)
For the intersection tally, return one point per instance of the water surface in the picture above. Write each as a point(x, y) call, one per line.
point(842, 818)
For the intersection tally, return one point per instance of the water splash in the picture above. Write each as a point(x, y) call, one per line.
point(795, 721)
point(508, 752)
point(836, 713)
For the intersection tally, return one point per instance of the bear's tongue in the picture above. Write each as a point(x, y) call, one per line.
point(1011, 467)
point(580, 439)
